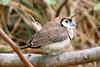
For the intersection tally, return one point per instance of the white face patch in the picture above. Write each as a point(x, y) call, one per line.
point(69, 23)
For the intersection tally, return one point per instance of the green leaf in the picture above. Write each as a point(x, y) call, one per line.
point(97, 6)
point(4, 2)
point(51, 1)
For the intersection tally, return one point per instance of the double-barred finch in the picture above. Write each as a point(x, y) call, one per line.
point(55, 36)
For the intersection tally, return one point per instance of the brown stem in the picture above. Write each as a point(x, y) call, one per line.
point(60, 7)
point(15, 48)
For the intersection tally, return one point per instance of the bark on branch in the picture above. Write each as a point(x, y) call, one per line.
point(15, 48)
point(68, 59)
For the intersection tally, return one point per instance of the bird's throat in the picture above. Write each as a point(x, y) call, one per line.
point(71, 33)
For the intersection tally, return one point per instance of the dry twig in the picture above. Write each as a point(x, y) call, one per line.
point(15, 48)
point(60, 7)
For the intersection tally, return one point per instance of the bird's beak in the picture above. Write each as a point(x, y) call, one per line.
point(73, 23)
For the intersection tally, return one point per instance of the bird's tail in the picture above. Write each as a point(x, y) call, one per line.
point(25, 46)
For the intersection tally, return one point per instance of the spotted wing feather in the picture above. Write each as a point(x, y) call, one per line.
point(48, 37)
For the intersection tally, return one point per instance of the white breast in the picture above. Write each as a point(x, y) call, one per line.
point(56, 47)
point(71, 33)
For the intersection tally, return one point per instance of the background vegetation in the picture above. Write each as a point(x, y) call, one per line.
point(18, 26)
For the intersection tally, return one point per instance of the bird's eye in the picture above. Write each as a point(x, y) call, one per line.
point(66, 21)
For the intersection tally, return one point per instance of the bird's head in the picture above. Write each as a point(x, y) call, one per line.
point(68, 23)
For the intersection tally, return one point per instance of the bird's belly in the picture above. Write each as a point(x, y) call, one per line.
point(56, 48)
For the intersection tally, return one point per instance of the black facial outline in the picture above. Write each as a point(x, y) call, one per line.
point(61, 22)
point(70, 20)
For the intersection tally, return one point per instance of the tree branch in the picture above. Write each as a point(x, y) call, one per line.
point(66, 59)
point(15, 48)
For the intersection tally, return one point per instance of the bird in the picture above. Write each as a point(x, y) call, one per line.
point(55, 36)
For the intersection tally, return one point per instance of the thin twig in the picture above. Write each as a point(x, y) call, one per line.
point(60, 8)
point(15, 27)
point(15, 48)
point(28, 19)
point(74, 7)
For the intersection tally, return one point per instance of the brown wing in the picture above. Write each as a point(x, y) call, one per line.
point(48, 37)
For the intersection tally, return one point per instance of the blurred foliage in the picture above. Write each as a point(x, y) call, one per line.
point(51, 1)
point(4, 2)
point(15, 21)
point(97, 6)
